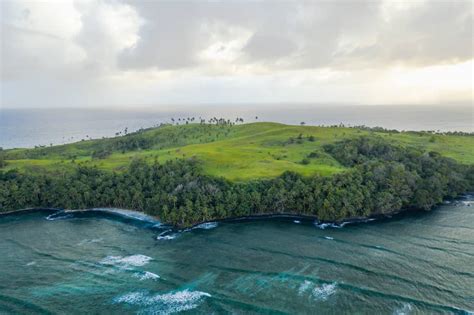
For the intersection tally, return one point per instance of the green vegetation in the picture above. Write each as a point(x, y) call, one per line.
point(196, 172)
point(235, 152)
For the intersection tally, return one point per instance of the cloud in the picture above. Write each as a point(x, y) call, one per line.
point(293, 35)
point(112, 51)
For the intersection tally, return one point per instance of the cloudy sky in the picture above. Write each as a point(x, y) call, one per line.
point(125, 53)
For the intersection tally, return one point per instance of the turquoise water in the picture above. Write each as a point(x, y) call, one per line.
point(100, 263)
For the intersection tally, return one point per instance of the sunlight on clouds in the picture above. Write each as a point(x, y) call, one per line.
point(121, 52)
point(434, 84)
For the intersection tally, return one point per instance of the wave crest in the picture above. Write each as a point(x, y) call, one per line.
point(127, 261)
point(167, 303)
point(324, 291)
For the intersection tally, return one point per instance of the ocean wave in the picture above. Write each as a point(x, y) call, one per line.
point(59, 216)
point(324, 291)
point(146, 275)
point(167, 235)
point(167, 303)
point(127, 261)
point(305, 286)
point(206, 226)
point(405, 309)
point(140, 216)
point(323, 226)
point(329, 237)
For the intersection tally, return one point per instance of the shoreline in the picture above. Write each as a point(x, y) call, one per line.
point(141, 216)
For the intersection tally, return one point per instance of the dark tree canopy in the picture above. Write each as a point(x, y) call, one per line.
point(382, 179)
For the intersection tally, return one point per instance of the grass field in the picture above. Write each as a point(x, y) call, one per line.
point(239, 152)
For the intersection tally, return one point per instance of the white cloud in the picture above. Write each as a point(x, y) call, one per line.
point(121, 52)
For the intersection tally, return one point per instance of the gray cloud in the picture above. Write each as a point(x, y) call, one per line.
point(111, 51)
point(292, 35)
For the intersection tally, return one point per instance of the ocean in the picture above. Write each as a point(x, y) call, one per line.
point(98, 263)
point(31, 127)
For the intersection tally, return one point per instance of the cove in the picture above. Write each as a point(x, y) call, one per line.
point(414, 262)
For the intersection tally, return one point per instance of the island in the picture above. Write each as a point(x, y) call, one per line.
point(192, 171)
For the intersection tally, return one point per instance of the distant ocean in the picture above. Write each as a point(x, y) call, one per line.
point(30, 127)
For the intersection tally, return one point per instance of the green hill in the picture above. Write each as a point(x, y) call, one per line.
point(199, 172)
point(235, 152)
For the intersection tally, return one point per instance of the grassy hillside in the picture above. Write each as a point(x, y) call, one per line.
point(237, 152)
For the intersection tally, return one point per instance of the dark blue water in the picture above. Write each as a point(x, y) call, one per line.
point(416, 263)
point(27, 128)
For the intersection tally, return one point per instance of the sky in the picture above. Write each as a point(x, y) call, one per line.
point(123, 53)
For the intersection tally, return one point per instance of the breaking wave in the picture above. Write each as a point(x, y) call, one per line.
point(324, 225)
point(206, 226)
point(146, 275)
point(324, 291)
point(167, 235)
point(305, 286)
point(59, 216)
point(127, 261)
point(140, 216)
point(167, 303)
point(405, 309)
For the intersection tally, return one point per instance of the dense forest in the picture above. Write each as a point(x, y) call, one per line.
point(381, 178)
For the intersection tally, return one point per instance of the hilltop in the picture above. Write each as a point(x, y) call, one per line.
point(193, 173)
point(235, 152)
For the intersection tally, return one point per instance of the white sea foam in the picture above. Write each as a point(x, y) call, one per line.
point(305, 286)
point(297, 221)
point(324, 291)
point(329, 237)
point(405, 309)
point(58, 216)
point(130, 214)
point(322, 226)
point(126, 262)
point(207, 225)
point(146, 275)
point(167, 303)
point(167, 237)
point(31, 263)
